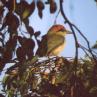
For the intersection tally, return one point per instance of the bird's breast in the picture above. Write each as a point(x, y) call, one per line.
point(58, 49)
point(55, 44)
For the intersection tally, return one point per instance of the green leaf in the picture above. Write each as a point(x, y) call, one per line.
point(10, 93)
point(93, 89)
point(33, 60)
point(5, 79)
point(95, 46)
point(25, 14)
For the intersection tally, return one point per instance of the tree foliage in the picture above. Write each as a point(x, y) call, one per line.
point(29, 76)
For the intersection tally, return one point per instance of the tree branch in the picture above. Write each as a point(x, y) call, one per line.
point(71, 27)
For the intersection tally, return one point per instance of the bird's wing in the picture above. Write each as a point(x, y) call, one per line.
point(53, 42)
point(42, 49)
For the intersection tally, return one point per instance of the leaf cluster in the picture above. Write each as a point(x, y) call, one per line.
point(62, 80)
point(31, 76)
point(13, 41)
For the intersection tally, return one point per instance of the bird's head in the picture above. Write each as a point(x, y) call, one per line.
point(58, 30)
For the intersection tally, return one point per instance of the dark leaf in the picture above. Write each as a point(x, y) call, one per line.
point(21, 7)
point(20, 54)
point(11, 44)
point(29, 95)
point(38, 42)
point(40, 6)
point(1, 34)
point(42, 48)
point(52, 89)
point(29, 44)
point(47, 2)
point(24, 9)
point(27, 47)
point(40, 13)
point(14, 67)
point(1, 40)
point(1, 13)
point(2, 95)
point(95, 0)
point(53, 6)
point(12, 21)
point(30, 30)
point(36, 34)
point(10, 5)
point(29, 10)
point(1, 50)
point(30, 54)
point(7, 56)
point(3, 1)
point(78, 90)
point(21, 40)
point(26, 21)
point(12, 32)
point(3, 25)
point(2, 64)
point(32, 7)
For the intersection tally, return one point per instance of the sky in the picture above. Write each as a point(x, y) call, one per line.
point(82, 13)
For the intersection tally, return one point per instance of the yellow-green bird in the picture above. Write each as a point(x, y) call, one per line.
point(53, 42)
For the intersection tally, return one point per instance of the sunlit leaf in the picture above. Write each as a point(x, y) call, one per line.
point(29, 10)
point(24, 9)
point(5, 79)
point(10, 93)
point(25, 13)
point(95, 46)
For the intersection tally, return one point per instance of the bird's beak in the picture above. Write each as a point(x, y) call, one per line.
point(69, 32)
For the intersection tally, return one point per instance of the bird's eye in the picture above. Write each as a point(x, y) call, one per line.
point(62, 30)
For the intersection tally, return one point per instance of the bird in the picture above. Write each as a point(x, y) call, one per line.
point(53, 43)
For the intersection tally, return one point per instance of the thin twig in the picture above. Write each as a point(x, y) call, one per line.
point(71, 27)
point(85, 40)
point(56, 16)
point(87, 49)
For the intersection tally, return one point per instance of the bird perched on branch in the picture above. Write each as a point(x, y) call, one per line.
point(53, 42)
